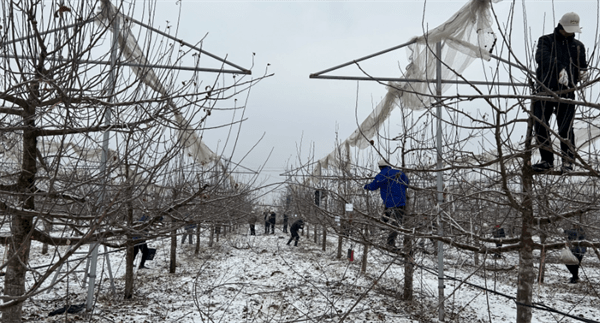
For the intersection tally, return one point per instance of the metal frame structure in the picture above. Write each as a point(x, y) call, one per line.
point(114, 61)
point(438, 82)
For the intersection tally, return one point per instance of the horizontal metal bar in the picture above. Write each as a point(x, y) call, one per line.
point(393, 79)
point(81, 23)
point(181, 41)
point(184, 68)
point(314, 75)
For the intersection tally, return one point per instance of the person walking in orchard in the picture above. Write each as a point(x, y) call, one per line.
point(561, 64)
point(392, 184)
point(573, 236)
point(296, 226)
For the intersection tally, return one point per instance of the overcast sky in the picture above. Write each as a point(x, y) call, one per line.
point(298, 38)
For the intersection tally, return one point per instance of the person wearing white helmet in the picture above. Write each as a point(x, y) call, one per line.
point(561, 64)
point(392, 184)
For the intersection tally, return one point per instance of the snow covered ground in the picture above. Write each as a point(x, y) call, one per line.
point(260, 279)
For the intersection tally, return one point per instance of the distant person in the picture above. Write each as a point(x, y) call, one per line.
point(392, 184)
point(272, 220)
point(561, 64)
point(189, 233)
point(573, 236)
point(252, 218)
point(267, 223)
point(141, 245)
point(296, 226)
point(498, 233)
point(285, 222)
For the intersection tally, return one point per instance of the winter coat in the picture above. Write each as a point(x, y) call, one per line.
point(392, 185)
point(285, 219)
point(272, 218)
point(297, 225)
point(252, 218)
point(498, 233)
point(574, 235)
point(555, 52)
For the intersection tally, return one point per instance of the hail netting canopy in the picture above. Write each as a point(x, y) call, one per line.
point(466, 36)
point(132, 53)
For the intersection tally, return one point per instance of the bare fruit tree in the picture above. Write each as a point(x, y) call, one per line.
point(88, 142)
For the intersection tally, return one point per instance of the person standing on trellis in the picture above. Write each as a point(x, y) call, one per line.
point(561, 64)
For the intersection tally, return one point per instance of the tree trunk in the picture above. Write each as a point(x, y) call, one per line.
point(324, 238)
point(363, 267)
point(197, 250)
point(19, 248)
point(339, 250)
point(18, 255)
point(129, 268)
point(173, 261)
point(408, 268)
point(526, 274)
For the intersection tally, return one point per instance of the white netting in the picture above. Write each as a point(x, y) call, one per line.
point(132, 53)
point(464, 37)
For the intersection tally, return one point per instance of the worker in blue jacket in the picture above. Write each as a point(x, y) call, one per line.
point(392, 184)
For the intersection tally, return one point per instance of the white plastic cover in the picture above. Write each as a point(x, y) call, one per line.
point(466, 36)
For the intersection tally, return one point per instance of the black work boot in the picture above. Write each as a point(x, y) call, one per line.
point(566, 167)
point(542, 166)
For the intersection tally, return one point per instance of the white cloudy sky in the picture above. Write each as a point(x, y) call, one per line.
point(298, 38)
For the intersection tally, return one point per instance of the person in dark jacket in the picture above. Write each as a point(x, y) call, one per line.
point(252, 218)
point(267, 223)
point(296, 226)
point(392, 184)
point(189, 233)
point(498, 233)
point(285, 222)
point(578, 251)
point(561, 64)
point(141, 245)
point(272, 220)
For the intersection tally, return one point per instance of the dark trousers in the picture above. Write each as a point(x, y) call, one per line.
point(295, 236)
point(143, 247)
point(188, 233)
point(252, 230)
point(574, 269)
point(395, 215)
point(285, 228)
point(267, 224)
point(565, 113)
point(272, 228)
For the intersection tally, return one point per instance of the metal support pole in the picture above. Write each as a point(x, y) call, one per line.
point(92, 277)
point(440, 181)
point(107, 121)
point(110, 275)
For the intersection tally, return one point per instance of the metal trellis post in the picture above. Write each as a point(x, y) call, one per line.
point(440, 181)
